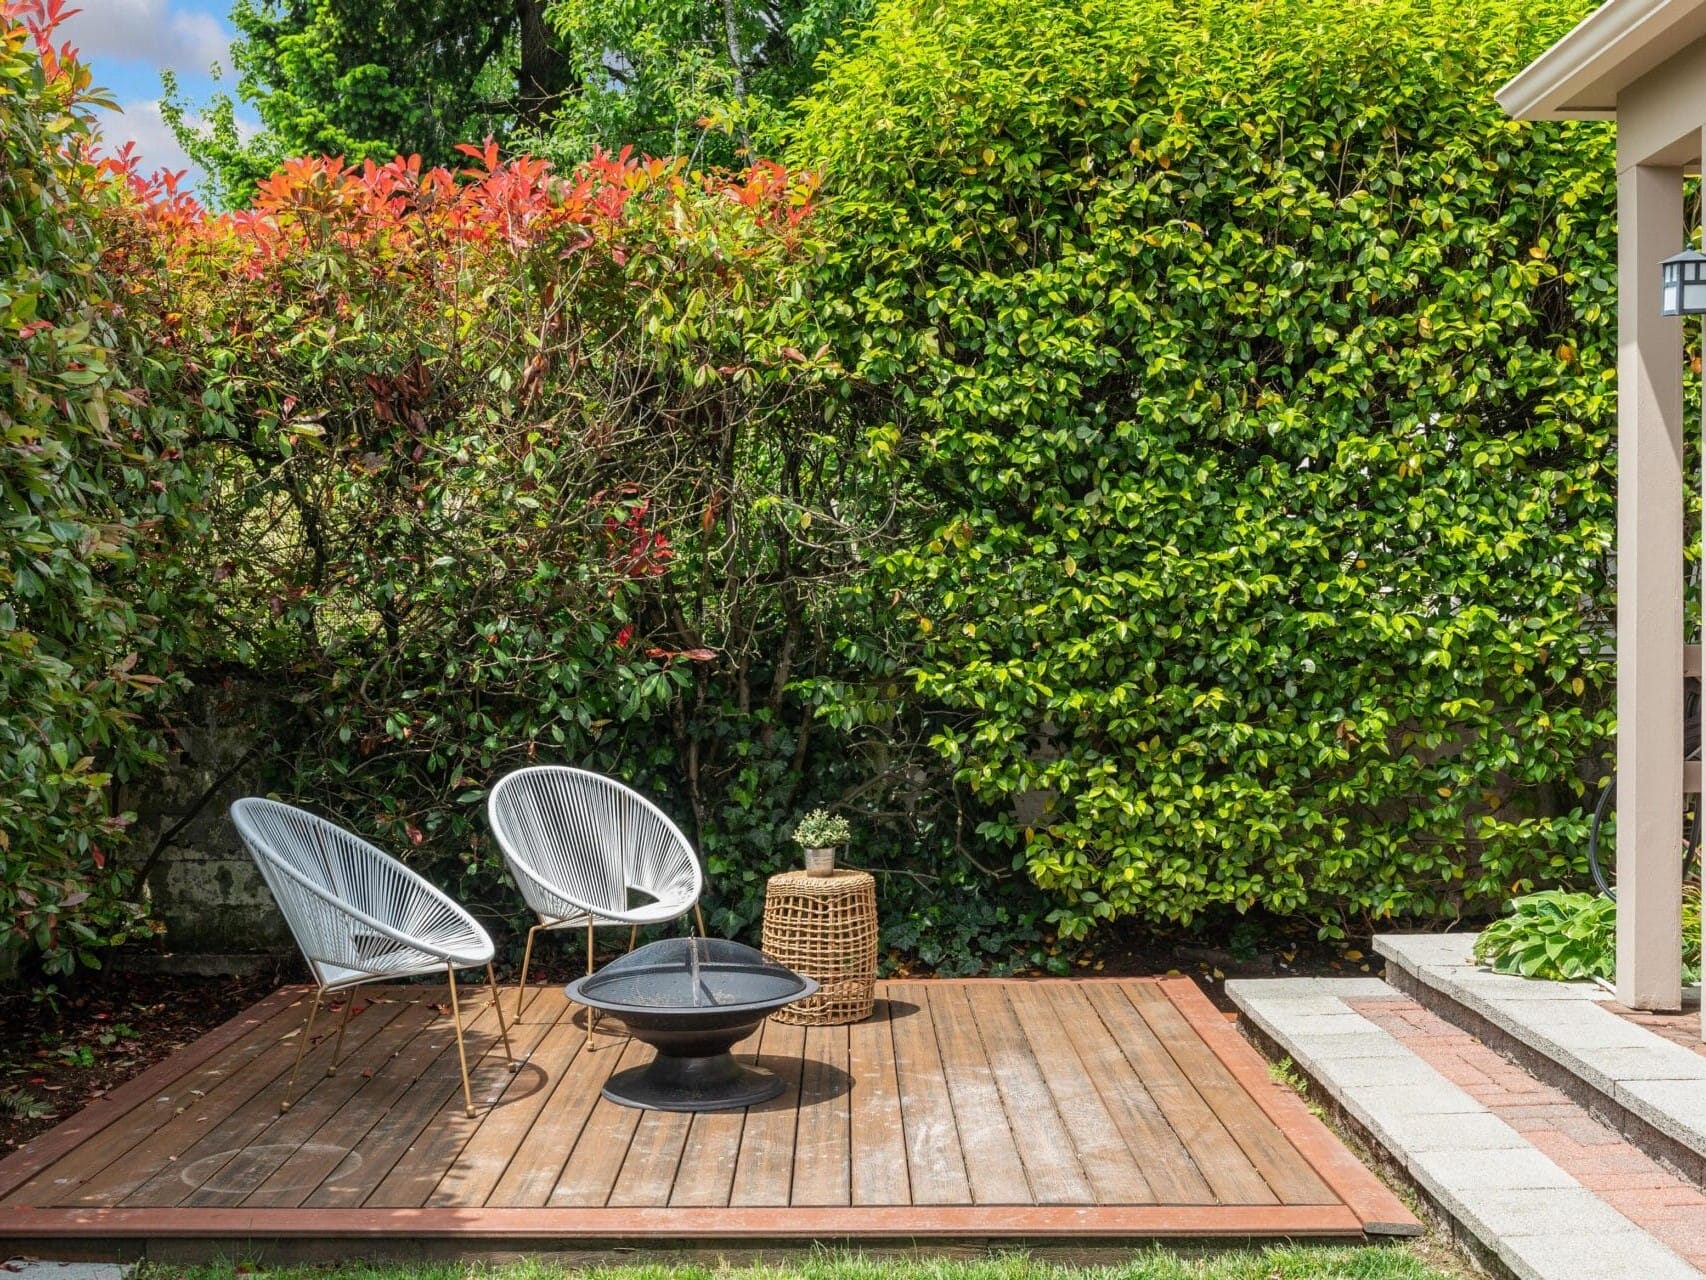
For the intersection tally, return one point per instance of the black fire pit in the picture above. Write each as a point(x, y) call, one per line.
point(691, 999)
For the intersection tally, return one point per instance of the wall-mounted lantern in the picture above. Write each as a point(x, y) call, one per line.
point(1684, 282)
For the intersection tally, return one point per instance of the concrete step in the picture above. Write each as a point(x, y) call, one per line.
point(1530, 1181)
point(1648, 1087)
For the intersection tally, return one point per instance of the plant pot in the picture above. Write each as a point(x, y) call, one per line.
point(820, 862)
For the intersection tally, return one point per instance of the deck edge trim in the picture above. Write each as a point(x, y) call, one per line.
point(1378, 1209)
point(869, 1222)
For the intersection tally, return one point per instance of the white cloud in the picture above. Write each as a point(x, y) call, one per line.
point(156, 145)
point(149, 31)
point(143, 124)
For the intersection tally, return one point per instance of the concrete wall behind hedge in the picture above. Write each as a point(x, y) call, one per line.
point(203, 886)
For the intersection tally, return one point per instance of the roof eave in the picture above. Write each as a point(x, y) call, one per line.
point(1579, 77)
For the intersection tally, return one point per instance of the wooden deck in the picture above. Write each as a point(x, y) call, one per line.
point(987, 1111)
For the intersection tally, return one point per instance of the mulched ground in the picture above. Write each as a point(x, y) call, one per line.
point(59, 1052)
point(1265, 949)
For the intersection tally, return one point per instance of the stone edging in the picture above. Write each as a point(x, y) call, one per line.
point(1514, 1205)
point(1650, 1090)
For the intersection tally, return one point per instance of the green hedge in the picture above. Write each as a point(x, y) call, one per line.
point(511, 467)
point(1210, 432)
point(1254, 376)
point(93, 500)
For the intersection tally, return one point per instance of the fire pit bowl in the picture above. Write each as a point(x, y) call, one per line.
point(691, 999)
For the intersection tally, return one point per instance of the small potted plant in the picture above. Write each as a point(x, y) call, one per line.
point(819, 834)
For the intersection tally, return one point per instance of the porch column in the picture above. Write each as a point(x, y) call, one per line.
point(1649, 594)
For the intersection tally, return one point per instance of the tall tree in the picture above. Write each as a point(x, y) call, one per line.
point(372, 79)
point(375, 78)
point(656, 73)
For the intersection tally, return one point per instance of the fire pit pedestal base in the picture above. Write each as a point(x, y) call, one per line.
point(717, 1083)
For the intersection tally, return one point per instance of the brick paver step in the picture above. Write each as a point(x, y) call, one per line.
point(1531, 1175)
point(1639, 1070)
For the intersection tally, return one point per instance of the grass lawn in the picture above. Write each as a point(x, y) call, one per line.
point(1419, 1261)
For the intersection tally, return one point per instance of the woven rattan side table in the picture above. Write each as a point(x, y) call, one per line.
point(826, 928)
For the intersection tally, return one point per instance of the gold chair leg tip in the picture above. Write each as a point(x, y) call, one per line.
point(283, 1107)
point(469, 1112)
point(331, 1071)
point(515, 1066)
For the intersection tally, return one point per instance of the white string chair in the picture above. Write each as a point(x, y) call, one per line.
point(587, 850)
point(360, 916)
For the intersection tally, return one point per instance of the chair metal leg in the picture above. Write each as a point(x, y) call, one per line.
point(701, 917)
point(526, 962)
point(307, 1035)
point(338, 1045)
point(497, 1004)
point(461, 1052)
point(591, 1013)
point(633, 937)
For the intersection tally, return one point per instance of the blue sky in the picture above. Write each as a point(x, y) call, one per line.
point(128, 43)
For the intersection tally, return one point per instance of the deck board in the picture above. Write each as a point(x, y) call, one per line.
point(230, 1097)
point(1108, 1162)
point(537, 1163)
point(1051, 1162)
point(764, 1167)
point(823, 1146)
point(706, 1176)
point(1279, 1163)
point(1019, 1110)
point(1214, 1151)
point(442, 1144)
point(1166, 1163)
point(487, 1155)
point(429, 1091)
point(993, 1166)
point(255, 1139)
point(935, 1161)
point(590, 1171)
point(878, 1138)
point(114, 1161)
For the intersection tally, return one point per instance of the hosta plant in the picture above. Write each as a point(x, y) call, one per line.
point(1571, 936)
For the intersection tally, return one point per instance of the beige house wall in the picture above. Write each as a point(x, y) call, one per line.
point(1659, 116)
point(1659, 121)
point(1643, 63)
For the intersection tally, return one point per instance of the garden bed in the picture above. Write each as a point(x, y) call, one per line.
point(62, 1052)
